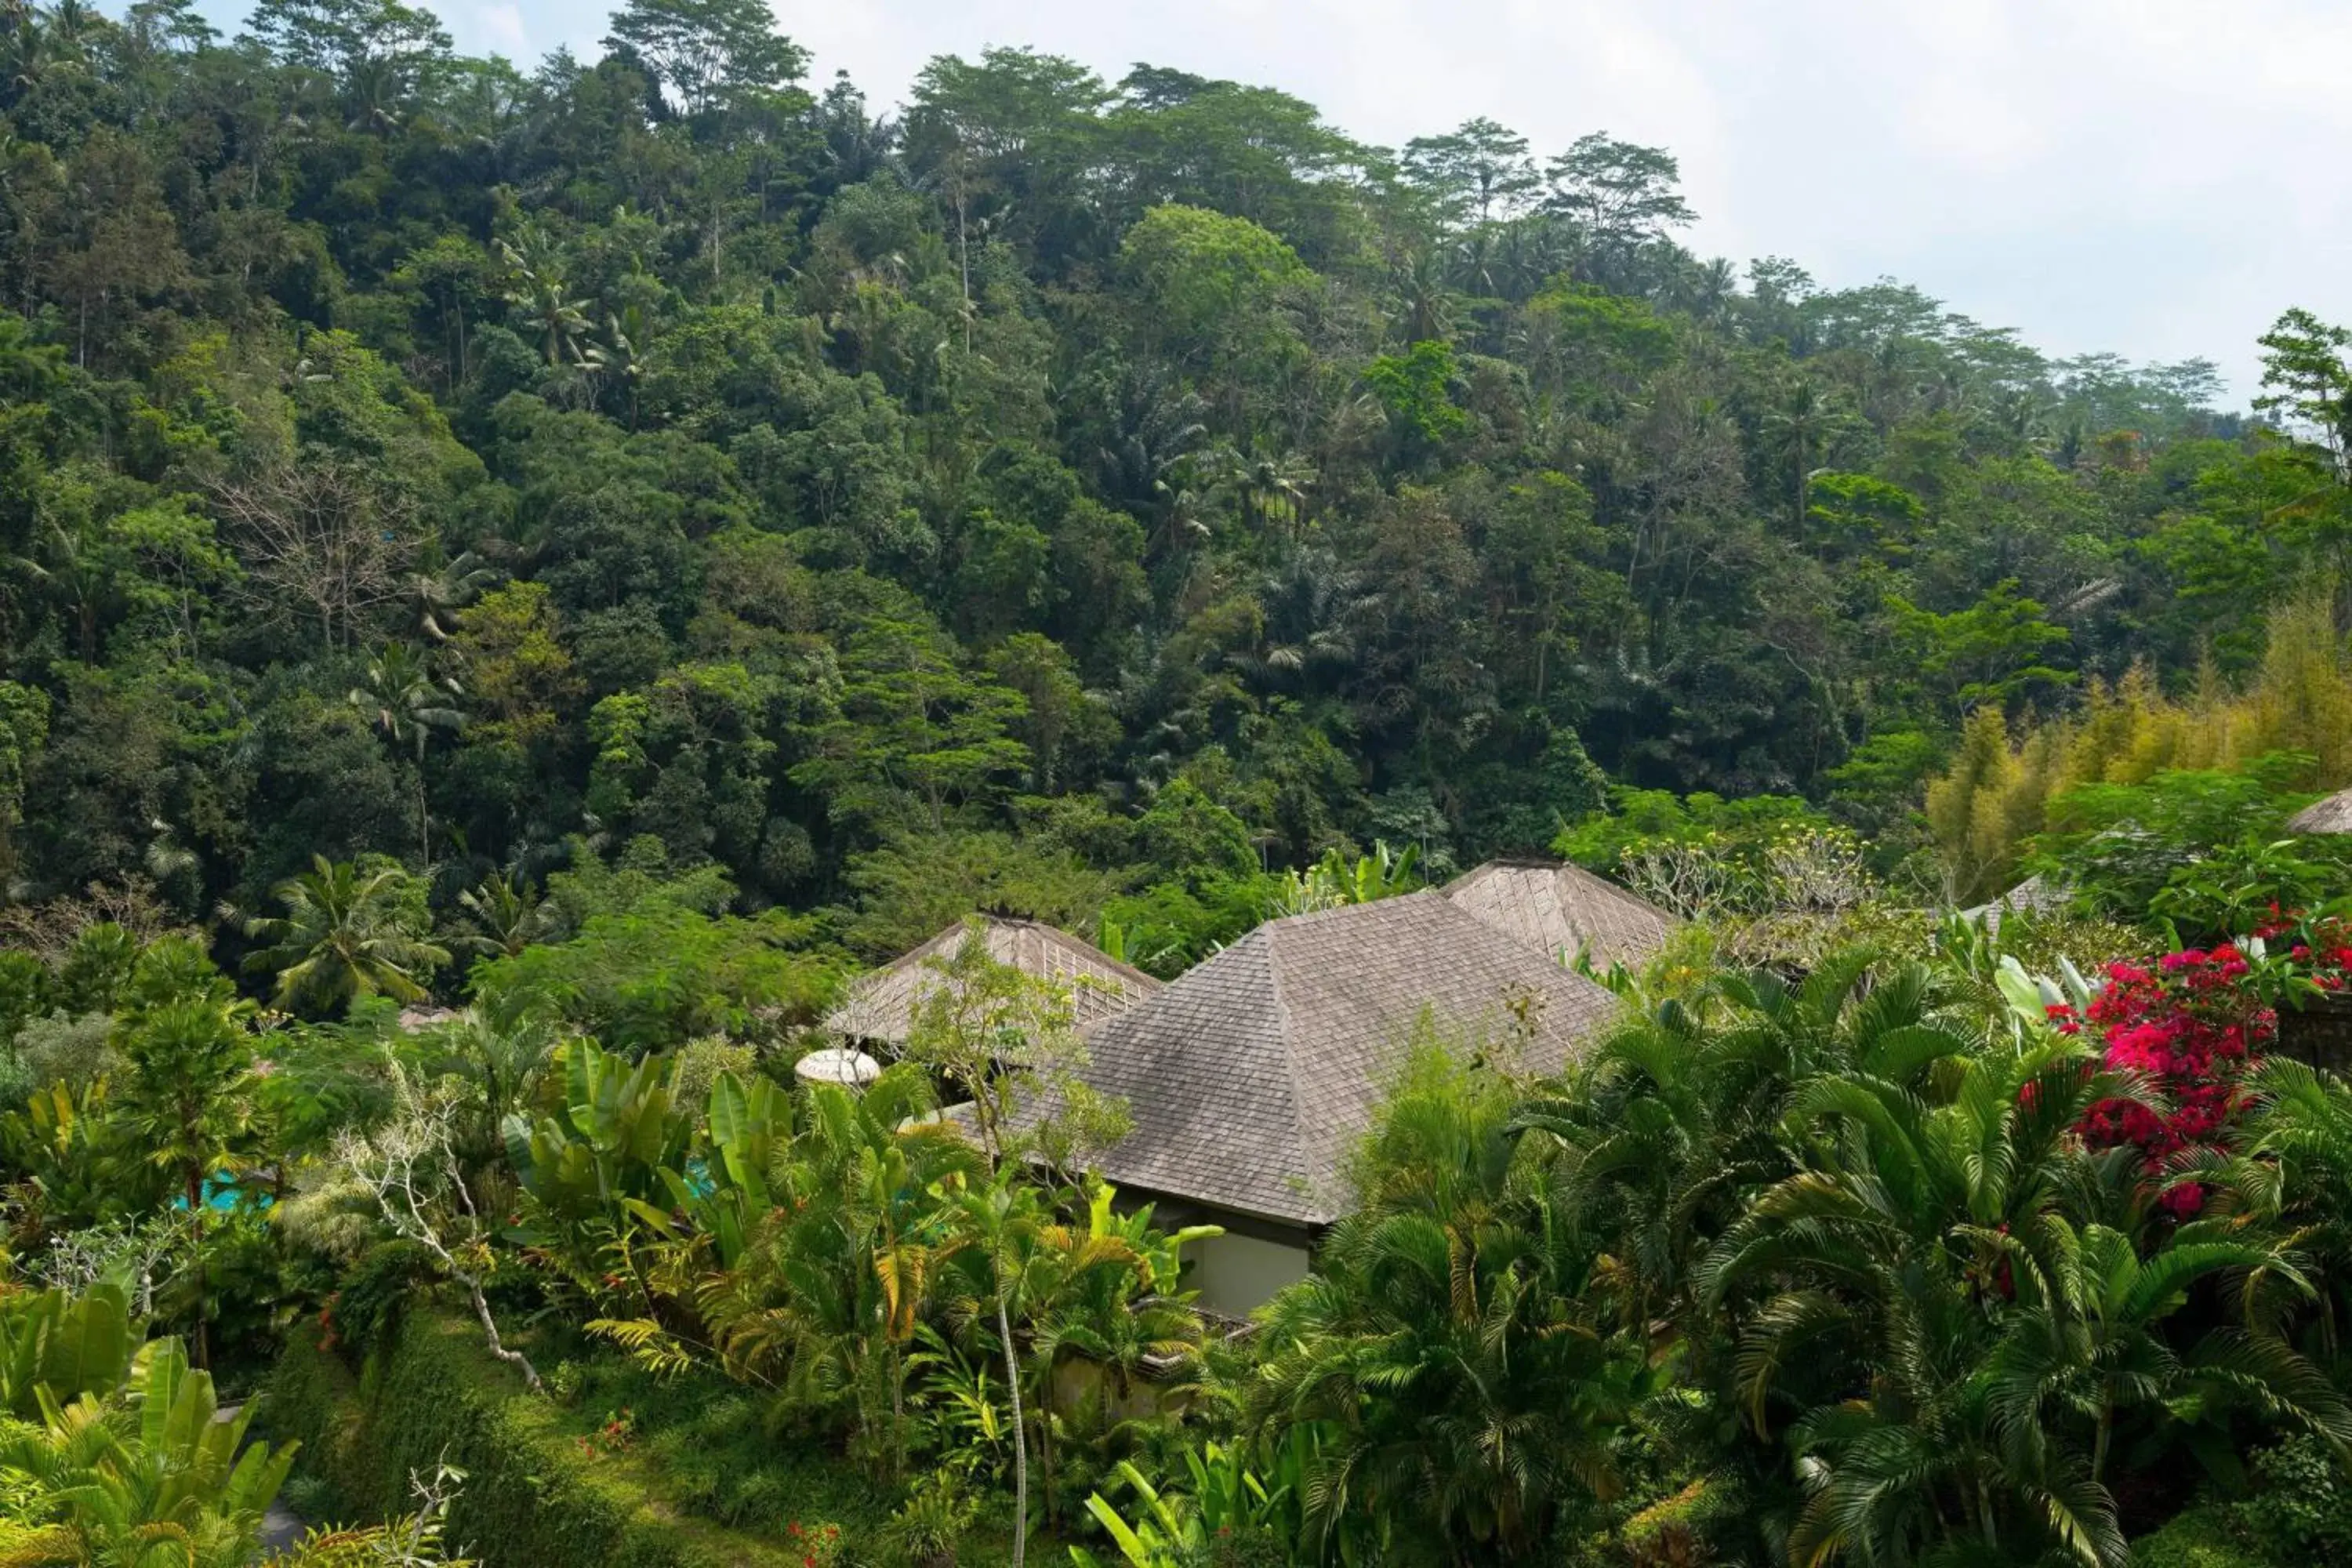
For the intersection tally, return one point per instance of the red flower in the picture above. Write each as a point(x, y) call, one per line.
point(2191, 1026)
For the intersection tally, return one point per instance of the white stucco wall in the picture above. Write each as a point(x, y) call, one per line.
point(1237, 1274)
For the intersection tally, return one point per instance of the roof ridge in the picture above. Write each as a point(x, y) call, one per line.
point(1304, 916)
point(987, 920)
point(1616, 889)
point(1289, 1044)
point(1336, 1003)
point(1088, 950)
point(1583, 876)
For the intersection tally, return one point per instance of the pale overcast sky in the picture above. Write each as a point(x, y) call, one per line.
point(2156, 177)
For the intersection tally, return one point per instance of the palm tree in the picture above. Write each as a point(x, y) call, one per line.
point(29, 49)
point(1807, 421)
point(349, 931)
point(504, 915)
point(188, 1052)
point(1650, 1155)
point(2298, 1166)
point(1945, 1307)
point(79, 569)
point(542, 292)
point(622, 355)
point(501, 1062)
point(1271, 489)
point(1426, 298)
point(409, 702)
point(72, 24)
point(375, 90)
point(994, 1228)
point(1093, 1299)
point(2024, 417)
point(2088, 1344)
point(1154, 425)
point(437, 596)
point(1312, 610)
point(1447, 1336)
point(1676, 1119)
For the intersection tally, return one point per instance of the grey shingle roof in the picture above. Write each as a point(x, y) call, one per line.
point(881, 1004)
point(2333, 814)
point(1563, 909)
point(1252, 1075)
point(2037, 895)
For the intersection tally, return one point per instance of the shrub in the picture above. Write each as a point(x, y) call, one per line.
point(2303, 1513)
point(432, 1394)
point(2118, 845)
point(2206, 1536)
point(64, 1048)
point(1704, 857)
point(2188, 1022)
point(700, 1061)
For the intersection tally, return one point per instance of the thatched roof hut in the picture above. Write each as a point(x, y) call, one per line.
point(880, 1005)
point(1563, 911)
point(1251, 1077)
point(2333, 814)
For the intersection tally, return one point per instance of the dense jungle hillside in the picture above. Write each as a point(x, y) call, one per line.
point(1056, 493)
point(525, 587)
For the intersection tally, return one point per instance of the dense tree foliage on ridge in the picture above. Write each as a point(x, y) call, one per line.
point(1063, 494)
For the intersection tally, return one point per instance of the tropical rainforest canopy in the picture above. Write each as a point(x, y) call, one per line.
point(1054, 491)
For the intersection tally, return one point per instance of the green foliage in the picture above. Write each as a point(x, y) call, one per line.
point(1990, 652)
point(1448, 1309)
point(1763, 857)
point(931, 1524)
point(159, 1468)
point(603, 1146)
point(2303, 1509)
point(1168, 927)
point(1213, 281)
point(573, 515)
point(56, 1347)
point(2119, 847)
point(660, 975)
point(63, 1050)
point(812, 493)
point(2283, 732)
point(977, 1017)
point(79, 1165)
point(531, 1494)
point(1413, 388)
point(351, 930)
point(2201, 1537)
point(1637, 817)
point(1338, 880)
point(916, 885)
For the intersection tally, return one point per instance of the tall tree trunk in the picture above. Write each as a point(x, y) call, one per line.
point(1802, 486)
point(897, 1375)
point(195, 1183)
point(1020, 1437)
